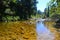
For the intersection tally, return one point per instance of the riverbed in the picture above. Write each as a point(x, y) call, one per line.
point(23, 30)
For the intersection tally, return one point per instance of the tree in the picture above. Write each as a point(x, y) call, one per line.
point(21, 8)
point(52, 7)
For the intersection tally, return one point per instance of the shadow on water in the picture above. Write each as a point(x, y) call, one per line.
point(43, 32)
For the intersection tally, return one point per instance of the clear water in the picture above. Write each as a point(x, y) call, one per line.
point(43, 33)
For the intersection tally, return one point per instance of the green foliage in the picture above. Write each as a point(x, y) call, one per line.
point(14, 1)
point(55, 16)
point(54, 9)
point(10, 9)
point(38, 15)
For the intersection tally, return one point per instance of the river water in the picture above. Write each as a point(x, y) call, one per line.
point(46, 31)
point(27, 31)
point(43, 32)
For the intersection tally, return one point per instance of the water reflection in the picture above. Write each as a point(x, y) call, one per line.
point(43, 32)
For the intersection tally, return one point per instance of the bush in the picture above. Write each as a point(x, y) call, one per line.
point(55, 16)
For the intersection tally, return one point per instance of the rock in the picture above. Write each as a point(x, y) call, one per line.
point(58, 21)
point(57, 24)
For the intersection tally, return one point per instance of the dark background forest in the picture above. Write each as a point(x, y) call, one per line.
point(12, 10)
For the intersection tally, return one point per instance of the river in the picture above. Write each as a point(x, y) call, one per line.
point(46, 31)
point(43, 32)
point(23, 30)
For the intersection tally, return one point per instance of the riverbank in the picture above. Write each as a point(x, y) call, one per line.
point(19, 30)
point(50, 26)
